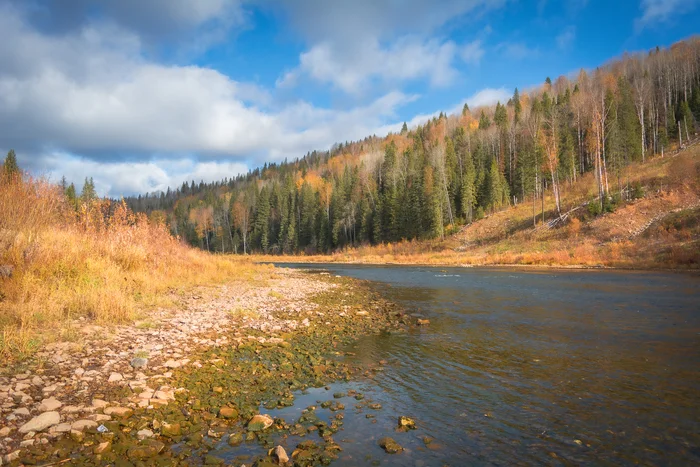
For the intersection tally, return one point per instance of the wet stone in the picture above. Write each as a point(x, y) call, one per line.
point(228, 412)
point(390, 445)
point(147, 448)
point(260, 422)
point(407, 423)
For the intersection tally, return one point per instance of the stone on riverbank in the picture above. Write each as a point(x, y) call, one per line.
point(138, 362)
point(42, 422)
point(148, 448)
point(228, 412)
point(49, 405)
point(280, 454)
point(260, 422)
point(122, 412)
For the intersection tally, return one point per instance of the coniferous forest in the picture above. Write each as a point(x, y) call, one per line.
point(426, 181)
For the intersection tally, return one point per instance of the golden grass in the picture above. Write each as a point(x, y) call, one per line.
point(102, 263)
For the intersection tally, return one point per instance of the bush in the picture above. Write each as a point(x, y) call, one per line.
point(612, 202)
point(637, 191)
point(594, 208)
point(479, 214)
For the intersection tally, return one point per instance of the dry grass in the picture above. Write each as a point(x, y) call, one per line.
point(102, 263)
point(645, 233)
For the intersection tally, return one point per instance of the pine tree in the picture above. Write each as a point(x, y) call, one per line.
point(88, 194)
point(262, 216)
point(72, 196)
point(484, 121)
point(10, 167)
point(517, 106)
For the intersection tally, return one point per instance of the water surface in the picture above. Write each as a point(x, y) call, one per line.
point(522, 367)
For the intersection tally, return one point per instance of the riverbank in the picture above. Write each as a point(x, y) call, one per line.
point(188, 375)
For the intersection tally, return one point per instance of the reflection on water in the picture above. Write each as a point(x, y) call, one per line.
point(521, 368)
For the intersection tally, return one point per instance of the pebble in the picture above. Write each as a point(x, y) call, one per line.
point(82, 425)
point(114, 377)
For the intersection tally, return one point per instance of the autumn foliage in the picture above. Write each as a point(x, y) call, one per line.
point(101, 262)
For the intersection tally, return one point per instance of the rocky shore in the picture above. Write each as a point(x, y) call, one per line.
point(168, 388)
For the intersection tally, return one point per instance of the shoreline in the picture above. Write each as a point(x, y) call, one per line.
point(102, 404)
point(582, 267)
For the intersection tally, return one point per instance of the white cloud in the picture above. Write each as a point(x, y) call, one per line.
point(117, 178)
point(566, 38)
point(661, 11)
point(488, 96)
point(472, 52)
point(406, 59)
point(484, 97)
point(190, 24)
point(517, 50)
point(92, 94)
point(354, 45)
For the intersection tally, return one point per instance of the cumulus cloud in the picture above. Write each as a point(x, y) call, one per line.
point(194, 23)
point(117, 178)
point(662, 11)
point(406, 59)
point(354, 44)
point(92, 94)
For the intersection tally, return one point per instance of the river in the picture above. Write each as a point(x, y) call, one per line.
point(523, 367)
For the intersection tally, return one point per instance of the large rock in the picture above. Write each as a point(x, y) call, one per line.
point(42, 422)
point(260, 422)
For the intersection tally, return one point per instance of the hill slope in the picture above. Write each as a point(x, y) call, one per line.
point(660, 228)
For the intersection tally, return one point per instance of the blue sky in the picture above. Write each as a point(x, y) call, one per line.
point(144, 94)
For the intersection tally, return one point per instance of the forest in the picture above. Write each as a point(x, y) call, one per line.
point(426, 182)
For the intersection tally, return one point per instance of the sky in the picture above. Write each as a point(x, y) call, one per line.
point(146, 94)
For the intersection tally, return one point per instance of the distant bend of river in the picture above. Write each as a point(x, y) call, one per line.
point(522, 367)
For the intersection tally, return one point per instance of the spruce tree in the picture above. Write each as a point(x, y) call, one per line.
point(10, 167)
point(88, 194)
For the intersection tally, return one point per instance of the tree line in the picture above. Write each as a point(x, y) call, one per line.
point(426, 181)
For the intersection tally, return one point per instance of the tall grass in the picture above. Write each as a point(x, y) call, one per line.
point(100, 262)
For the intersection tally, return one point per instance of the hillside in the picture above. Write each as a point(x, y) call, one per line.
point(566, 142)
point(659, 227)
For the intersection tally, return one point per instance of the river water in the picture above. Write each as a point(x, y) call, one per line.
point(523, 367)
